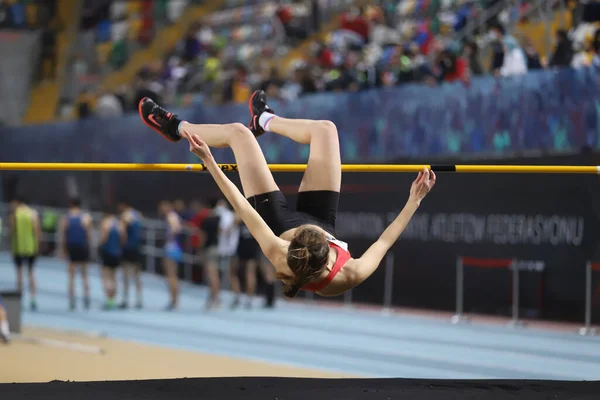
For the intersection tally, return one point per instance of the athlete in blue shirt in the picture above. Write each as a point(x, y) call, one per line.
point(112, 238)
point(75, 232)
point(132, 219)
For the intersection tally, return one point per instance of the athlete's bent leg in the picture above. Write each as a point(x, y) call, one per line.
point(324, 170)
point(254, 172)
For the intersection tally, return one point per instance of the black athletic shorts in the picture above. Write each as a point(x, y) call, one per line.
point(109, 260)
point(24, 259)
point(131, 255)
point(318, 207)
point(78, 254)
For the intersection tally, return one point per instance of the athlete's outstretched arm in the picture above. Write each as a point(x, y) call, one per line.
point(363, 267)
point(269, 243)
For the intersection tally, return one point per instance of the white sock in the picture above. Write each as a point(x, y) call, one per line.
point(4, 328)
point(265, 120)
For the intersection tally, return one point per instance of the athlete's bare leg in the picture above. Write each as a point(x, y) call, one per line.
point(252, 166)
point(324, 169)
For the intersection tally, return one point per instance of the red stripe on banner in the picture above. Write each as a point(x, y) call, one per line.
point(595, 266)
point(486, 262)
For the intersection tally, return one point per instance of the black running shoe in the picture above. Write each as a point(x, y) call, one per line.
point(258, 105)
point(159, 119)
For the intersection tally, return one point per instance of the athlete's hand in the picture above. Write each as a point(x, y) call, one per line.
point(422, 185)
point(199, 148)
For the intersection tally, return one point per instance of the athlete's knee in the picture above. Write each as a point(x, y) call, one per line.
point(239, 131)
point(328, 128)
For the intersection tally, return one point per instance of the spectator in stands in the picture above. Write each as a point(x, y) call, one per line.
point(344, 78)
point(86, 104)
point(205, 36)
point(212, 69)
point(270, 81)
point(301, 83)
point(292, 30)
point(533, 58)
point(354, 27)
point(190, 45)
point(471, 54)
point(147, 85)
point(108, 106)
point(563, 53)
point(16, 15)
point(514, 61)
point(237, 89)
point(585, 56)
point(451, 67)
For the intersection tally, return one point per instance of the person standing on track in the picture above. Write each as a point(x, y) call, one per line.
point(25, 231)
point(75, 233)
point(132, 219)
point(210, 254)
point(249, 258)
point(112, 238)
point(173, 254)
point(228, 236)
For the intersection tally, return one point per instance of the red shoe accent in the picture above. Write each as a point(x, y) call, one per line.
point(250, 102)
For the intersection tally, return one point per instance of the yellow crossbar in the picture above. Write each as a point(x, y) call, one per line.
point(490, 169)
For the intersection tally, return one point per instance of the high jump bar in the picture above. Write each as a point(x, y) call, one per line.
point(488, 169)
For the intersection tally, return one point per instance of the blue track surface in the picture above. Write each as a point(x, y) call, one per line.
point(349, 341)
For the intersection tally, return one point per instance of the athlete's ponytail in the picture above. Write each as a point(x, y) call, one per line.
point(308, 254)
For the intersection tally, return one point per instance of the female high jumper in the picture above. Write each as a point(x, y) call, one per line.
point(300, 243)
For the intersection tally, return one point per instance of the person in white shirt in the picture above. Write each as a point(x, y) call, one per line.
point(218, 257)
point(515, 62)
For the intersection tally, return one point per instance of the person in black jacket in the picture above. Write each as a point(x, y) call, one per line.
point(563, 54)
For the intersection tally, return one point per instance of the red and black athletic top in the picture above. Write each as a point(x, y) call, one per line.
point(342, 257)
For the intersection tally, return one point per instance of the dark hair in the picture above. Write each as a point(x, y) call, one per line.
point(307, 256)
point(19, 198)
point(75, 202)
point(212, 202)
point(473, 46)
point(497, 26)
point(562, 34)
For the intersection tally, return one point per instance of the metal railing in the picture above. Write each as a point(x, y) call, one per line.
point(590, 268)
point(512, 265)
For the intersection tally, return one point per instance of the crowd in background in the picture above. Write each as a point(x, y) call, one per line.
point(378, 45)
point(41, 16)
point(226, 55)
